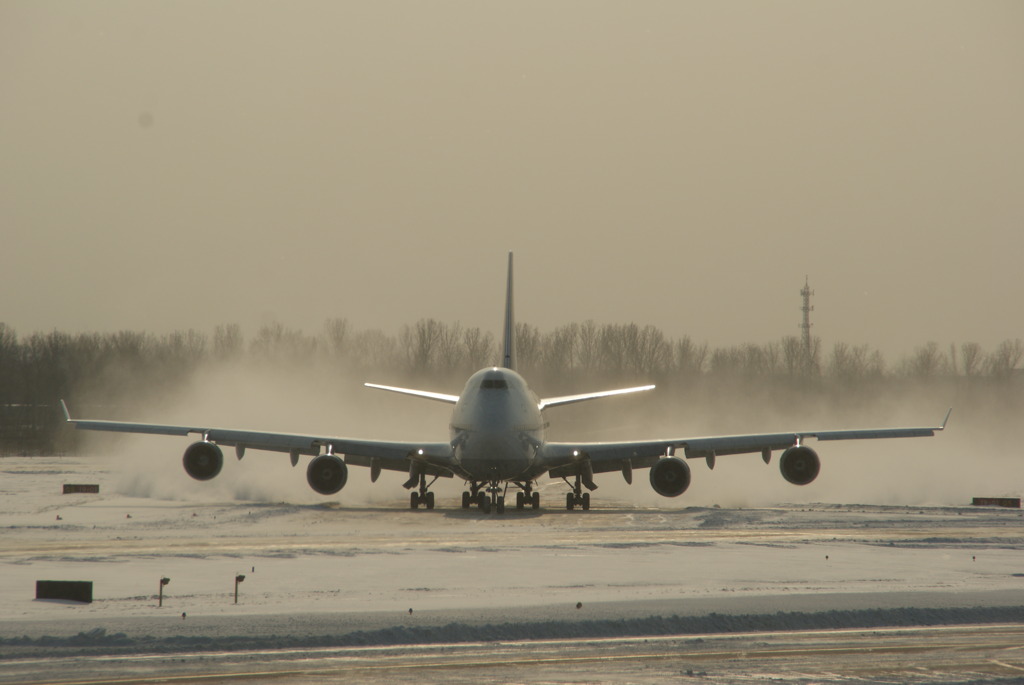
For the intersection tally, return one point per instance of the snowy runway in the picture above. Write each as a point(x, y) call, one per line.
point(317, 571)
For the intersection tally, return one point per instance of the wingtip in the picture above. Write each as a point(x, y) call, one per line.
point(64, 408)
point(946, 420)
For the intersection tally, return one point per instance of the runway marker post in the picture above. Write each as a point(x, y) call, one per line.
point(163, 581)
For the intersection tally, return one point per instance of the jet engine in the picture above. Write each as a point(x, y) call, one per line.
point(670, 477)
point(799, 465)
point(327, 474)
point(203, 460)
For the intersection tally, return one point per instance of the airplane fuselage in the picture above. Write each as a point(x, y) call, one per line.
point(497, 428)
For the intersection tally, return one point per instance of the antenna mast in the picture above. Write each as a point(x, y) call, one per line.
point(806, 293)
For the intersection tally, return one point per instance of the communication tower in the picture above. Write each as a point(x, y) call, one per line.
point(806, 293)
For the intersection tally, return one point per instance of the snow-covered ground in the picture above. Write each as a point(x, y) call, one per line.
point(359, 562)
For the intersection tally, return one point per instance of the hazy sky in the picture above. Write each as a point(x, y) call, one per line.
point(175, 165)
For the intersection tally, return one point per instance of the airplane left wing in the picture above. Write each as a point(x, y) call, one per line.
point(436, 457)
point(566, 459)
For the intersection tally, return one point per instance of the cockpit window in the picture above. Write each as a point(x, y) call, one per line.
point(494, 384)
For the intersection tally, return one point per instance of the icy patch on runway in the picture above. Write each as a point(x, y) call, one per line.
point(99, 640)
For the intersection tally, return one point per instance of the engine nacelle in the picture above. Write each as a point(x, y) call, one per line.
point(327, 474)
point(799, 465)
point(670, 477)
point(203, 460)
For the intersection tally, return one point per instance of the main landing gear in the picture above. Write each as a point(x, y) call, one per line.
point(491, 495)
point(577, 497)
point(473, 495)
point(422, 495)
point(525, 496)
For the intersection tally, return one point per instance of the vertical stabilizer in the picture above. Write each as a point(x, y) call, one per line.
point(508, 359)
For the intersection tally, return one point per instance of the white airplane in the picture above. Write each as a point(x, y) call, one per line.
point(497, 441)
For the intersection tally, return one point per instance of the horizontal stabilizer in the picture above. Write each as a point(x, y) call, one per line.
point(570, 399)
point(438, 396)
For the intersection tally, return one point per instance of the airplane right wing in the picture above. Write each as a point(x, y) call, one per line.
point(434, 458)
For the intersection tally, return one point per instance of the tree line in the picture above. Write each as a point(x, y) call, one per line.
point(123, 368)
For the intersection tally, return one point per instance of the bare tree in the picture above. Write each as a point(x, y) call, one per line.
point(853, 363)
point(927, 361)
point(971, 359)
point(759, 360)
point(689, 358)
point(227, 341)
point(420, 343)
point(374, 351)
point(558, 351)
point(527, 347)
point(180, 352)
point(450, 350)
point(336, 334)
point(650, 351)
point(479, 348)
point(124, 367)
point(275, 342)
point(9, 366)
point(726, 361)
point(1002, 362)
point(589, 347)
point(615, 345)
point(793, 355)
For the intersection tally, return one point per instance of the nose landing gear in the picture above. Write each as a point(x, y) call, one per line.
point(491, 498)
point(491, 495)
point(487, 498)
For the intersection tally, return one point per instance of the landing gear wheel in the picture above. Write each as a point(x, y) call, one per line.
point(422, 495)
point(485, 505)
point(500, 505)
point(535, 500)
point(577, 496)
point(520, 500)
point(466, 499)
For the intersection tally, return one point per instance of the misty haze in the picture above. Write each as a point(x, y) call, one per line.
point(237, 213)
point(284, 380)
point(170, 166)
